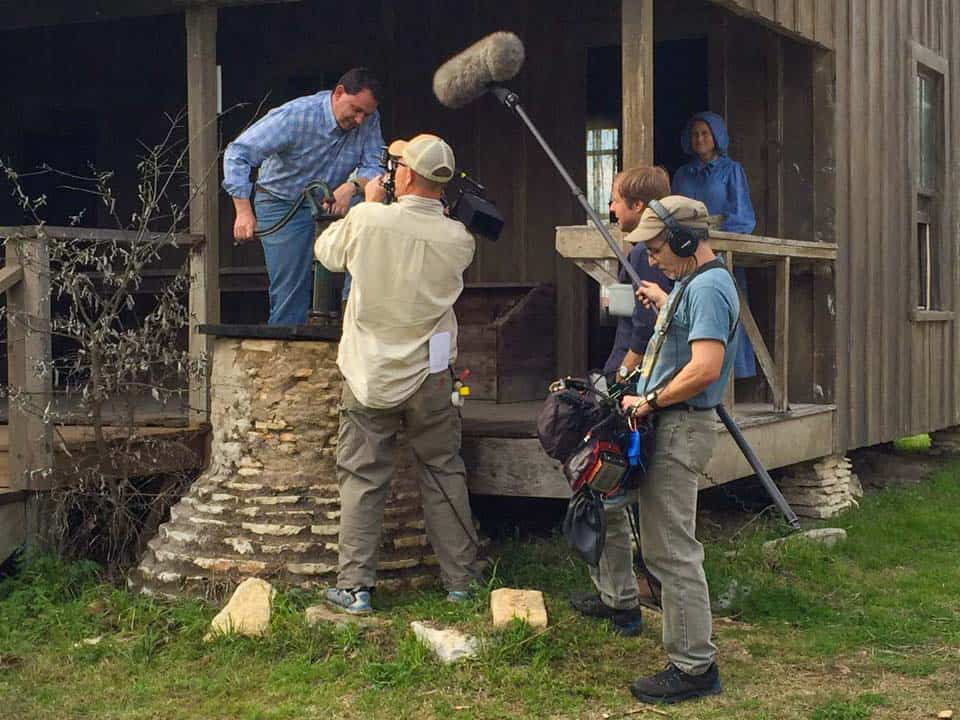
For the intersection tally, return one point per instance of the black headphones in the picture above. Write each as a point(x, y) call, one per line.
point(684, 241)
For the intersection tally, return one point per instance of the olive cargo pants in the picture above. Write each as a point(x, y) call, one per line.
point(366, 446)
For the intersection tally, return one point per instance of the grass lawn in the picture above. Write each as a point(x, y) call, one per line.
point(867, 629)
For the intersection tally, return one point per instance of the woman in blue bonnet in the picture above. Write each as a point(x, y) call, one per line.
point(721, 184)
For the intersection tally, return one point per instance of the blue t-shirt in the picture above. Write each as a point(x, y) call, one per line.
point(708, 310)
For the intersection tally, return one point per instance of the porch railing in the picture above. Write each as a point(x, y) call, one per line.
point(25, 280)
point(584, 246)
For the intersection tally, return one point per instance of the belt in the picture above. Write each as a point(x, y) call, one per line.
point(685, 406)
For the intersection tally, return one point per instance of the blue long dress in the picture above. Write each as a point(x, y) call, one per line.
point(721, 185)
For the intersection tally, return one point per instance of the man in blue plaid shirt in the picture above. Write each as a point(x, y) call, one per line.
point(323, 137)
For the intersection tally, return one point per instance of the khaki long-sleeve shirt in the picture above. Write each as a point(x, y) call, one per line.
point(407, 261)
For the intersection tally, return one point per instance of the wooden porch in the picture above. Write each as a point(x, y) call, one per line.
point(782, 432)
point(504, 457)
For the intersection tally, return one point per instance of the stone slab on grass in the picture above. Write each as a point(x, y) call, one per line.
point(509, 603)
point(316, 614)
point(249, 609)
point(447, 644)
point(824, 536)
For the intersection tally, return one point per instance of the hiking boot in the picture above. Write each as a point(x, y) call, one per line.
point(627, 622)
point(673, 685)
point(355, 601)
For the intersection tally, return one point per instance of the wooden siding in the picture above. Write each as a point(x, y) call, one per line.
point(808, 19)
point(896, 375)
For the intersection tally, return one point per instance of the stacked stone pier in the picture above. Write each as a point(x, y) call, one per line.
point(267, 504)
point(820, 489)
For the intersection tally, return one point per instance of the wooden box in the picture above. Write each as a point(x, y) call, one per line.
point(506, 339)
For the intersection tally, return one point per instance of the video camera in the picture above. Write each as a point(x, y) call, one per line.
point(463, 197)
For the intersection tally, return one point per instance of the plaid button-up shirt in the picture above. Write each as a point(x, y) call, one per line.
point(300, 142)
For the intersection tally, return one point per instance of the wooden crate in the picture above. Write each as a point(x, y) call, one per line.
point(506, 339)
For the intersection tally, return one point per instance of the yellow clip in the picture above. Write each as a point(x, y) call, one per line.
point(464, 390)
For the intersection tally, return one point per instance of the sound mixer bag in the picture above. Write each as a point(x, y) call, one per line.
point(585, 525)
point(570, 412)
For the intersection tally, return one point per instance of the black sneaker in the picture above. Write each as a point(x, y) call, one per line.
point(672, 685)
point(627, 622)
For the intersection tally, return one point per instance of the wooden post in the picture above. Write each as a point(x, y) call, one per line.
point(729, 394)
point(637, 71)
point(204, 183)
point(767, 364)
point(781, 342)
point(824, 331)
point(774, 214)
point(28, 343)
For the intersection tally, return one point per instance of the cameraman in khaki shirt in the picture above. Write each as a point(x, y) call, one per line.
point(399, 339)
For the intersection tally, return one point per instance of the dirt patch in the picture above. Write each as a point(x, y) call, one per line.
point(882, 467)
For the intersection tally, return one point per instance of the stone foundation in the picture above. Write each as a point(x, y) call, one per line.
point(267, 505)
point(946, 441)
point(822, 488)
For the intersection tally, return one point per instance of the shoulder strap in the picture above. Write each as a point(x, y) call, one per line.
point(715, 264)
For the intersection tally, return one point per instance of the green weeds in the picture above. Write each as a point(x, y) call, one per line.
point(881, 606)
point(860, 708)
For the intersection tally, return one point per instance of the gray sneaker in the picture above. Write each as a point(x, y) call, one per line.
point(355, 601)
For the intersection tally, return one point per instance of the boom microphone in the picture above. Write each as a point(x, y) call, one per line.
point(469, 74)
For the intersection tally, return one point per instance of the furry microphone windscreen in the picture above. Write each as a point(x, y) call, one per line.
point(468, 75)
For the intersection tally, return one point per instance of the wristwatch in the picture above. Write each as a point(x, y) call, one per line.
point(623, 372)
point(356, 184)
point(650, 399)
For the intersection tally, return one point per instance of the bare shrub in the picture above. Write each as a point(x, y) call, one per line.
point(113, 352)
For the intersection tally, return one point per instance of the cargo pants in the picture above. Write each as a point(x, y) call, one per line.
point(366, 463)
point(668, 516)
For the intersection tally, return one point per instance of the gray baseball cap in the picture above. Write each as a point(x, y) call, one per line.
point(683, 209)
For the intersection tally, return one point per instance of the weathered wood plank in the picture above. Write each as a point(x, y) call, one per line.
point(513, 467)
point(804, 18)
point(10, 275)
point(13, 527)
point(794, 438)
point(582, 242)
point(519, 467)
point(890, 268)
point(824, 370)
point(767, 365)
point(774, 135)
point(823, 22)
point(842, 227)
point(873, 361)
point(950, 277)
point(781, 343)
point(797, 143)
point(29, 344)
point(785, 13)
point(953, 177)
point(901, 253)
point(637, 95)
point(102, 234)
point(729, 393)
point(20, 15)
point(857, 307)
point(201, 28)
